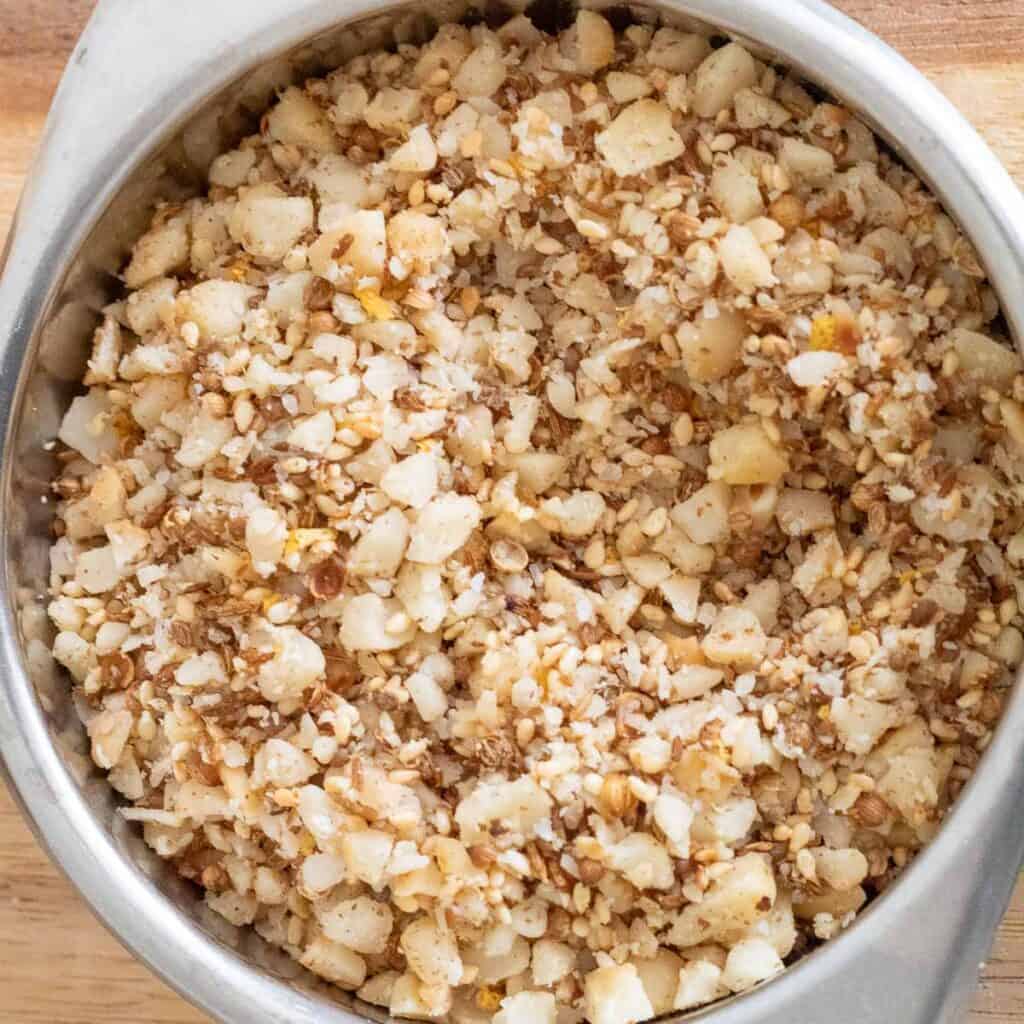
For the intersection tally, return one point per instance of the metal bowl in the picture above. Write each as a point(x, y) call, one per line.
point(154, 91)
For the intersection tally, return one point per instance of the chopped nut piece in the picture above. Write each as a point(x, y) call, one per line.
point(593, 42)
point(712, 347)
point(745, 454)
point(744, 261)
point(736, 638)
point(442, 527)
point(640, 138)
point(720, 77)
point(615, 995)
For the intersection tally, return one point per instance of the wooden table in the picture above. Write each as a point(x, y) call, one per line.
point(57, 964)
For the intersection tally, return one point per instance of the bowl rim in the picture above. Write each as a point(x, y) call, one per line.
point(904, 106)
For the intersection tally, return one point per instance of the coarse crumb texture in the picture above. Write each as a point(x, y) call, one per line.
point(540, 540)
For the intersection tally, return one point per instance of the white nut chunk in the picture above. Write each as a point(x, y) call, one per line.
point(575, 516)
point(700, 982)
point(432, 952)
point(297, 664)
point(379, 551)
point(423, 594)
point(362, 924)
point(355, 239)
point(527, 1008)
point(736, 192)
point(641, 137)
point(417, 239)
point(745, 454)
point(840, 869)
point(86, 426)
point(815, 369)
point(430, 699)
point(615, 995)
point(442, 527)
point(745, 263)
point(800, 512)
point(984, 362)
point(410, 998)
point(298, 120)
point(736, 638)
point(267, 222)
point(411, 481)
point(518, 805)
point(704, 516)
point(592, 42)
point(217, 308)
point(805, 162)
point(109, 732)
point(860, 722)
point(482, 72)
point(313, 434)
point(720, 77)
point(660, 977)
point(334, 962)
point(750, 962)
point(372, 623)
point(712, 346)
point(730, 906)
point(96, 570)
point(281, 763)
point(159, 251)
point(643, 861)
point(200, 670)
point(552, 961)
point(417, 155)
point(679, 52)
point(266, 533)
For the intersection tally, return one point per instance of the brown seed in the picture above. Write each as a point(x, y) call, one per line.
point(675, 399)
point(409, 398)
point(787, 211)
point(117, 669)
point(657, 444)
point(847, 334)
point(365, 138)
point(342, 247)
point(923, 612)
point(559, 923)
point(214, 877)
point(870, 810)
point(469, 300)
point(682, 228)
point(591, 872)
point(482, 856)
point(321, 323)
point(342, 670)
point(272, 408)
point(508, 556)
point(327, 578)
point(835, 208)
point(319, 293)
point(616, 796)
point(990, 708)
point(181, 633)
point(538, 865)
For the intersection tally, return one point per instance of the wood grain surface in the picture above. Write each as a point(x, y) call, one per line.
point(57, 964)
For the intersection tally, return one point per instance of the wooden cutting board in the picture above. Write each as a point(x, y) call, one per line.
point(57, 964)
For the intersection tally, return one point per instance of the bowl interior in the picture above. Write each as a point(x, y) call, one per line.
point(56, 360)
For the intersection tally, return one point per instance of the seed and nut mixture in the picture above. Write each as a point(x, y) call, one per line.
point(540, 541)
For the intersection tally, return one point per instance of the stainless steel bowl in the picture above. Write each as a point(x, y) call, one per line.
point(153, 91)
